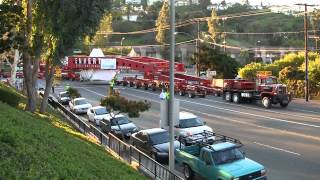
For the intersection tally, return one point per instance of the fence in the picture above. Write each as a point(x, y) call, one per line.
point(127, 152)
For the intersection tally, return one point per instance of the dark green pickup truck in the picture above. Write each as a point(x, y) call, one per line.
point(221, 160)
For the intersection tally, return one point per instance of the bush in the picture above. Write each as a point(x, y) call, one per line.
point(9, 97)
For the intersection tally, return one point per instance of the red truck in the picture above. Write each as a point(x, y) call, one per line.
point(265, 89)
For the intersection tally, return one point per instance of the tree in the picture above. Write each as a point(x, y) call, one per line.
point(144, 4)
point(105, 26)
point(215, 59)
point(213, 25)
point(162, 23)
point(74, 93)
point(66, 21)
point(116, 104)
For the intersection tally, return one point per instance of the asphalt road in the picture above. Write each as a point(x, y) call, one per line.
point(285, 141)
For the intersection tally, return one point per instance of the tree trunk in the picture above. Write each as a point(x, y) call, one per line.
point(29, 67)
point(14, 67)
point(49, 74)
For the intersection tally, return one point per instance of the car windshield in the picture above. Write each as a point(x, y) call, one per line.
point(120, 121)
point(192, 122)
point(80, 102)
point(159, 138)
point(227, 156)
point(64, 95)
point(101, 111)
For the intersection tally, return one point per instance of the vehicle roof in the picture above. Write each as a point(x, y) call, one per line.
point(186, 115)
point(76, 99)
point(97, 107)
point(64, 92)
point(153, 130)
point(222, 146)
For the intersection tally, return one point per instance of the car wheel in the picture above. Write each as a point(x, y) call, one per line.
point(284, 105)
point(187, 172)
point(266, 102)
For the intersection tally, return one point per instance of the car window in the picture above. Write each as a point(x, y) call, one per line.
point(80, 102)
point(159, 138)
point(227, 156)
point(120, 121)
point(192, 122)
point(206, 158)
point(101, 111)
point(64, 95)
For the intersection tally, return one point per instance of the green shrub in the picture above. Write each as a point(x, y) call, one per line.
point(9, 97)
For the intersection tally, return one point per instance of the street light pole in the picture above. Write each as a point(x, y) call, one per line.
point(171, 97)
point(122, 39)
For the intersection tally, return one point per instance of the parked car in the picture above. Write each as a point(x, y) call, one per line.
point(119, 125)
point(40, 92)
point(64, 97)
point(79, 105)
point(96, 114)
point(222, 160)
point(154, 142)
point(190, 124)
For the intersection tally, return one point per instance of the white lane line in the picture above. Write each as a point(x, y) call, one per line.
point(245, 113)
point(308, 111)
point(221, 117)
point(265, 110)
point(279, 149)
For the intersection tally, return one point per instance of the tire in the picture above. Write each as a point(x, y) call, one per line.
point(154, 156)
point(236, 98)
point(181, 93)
point(228, 97)
point(190, 95)
point(284, 105)
point(187, 172)
point(266, 102)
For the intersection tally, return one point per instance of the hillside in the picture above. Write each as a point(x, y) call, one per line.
point(43, 147)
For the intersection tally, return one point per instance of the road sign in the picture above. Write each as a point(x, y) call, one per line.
point(264, 73)
point(211, 73)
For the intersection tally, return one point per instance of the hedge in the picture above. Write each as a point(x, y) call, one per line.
point(8, 96)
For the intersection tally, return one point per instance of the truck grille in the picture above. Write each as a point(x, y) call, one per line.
point(282, 90)
point(251, 176)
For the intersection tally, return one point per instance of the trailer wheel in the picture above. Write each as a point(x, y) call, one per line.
point(181, 93)
point(284, 105)
point(190, 95)
point(187, 172)
point(131, 84)
point(236, 98)
point(228, 97)
point(266, 102)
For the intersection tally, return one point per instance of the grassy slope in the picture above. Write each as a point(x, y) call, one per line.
point(33, 147)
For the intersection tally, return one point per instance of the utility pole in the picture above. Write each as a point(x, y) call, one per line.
point(198, 49)
point(306, 49)
point(171, 95)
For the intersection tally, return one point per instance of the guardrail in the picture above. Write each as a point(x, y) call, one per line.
point(126, 151)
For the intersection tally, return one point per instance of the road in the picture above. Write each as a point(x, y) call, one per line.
point(285, 141)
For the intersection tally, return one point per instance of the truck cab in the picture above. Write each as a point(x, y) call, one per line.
point(222, 160)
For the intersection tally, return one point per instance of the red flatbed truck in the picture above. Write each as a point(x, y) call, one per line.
point(265, 90)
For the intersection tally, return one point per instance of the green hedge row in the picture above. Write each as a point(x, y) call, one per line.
point(8, 96)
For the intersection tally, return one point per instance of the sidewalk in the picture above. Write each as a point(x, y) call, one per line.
point(310, 103)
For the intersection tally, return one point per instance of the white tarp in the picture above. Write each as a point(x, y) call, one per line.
point(96, 52)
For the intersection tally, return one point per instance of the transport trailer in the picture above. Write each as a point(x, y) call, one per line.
point(265, 90)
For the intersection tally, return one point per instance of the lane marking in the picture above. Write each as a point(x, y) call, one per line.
point(245, 113)
point(308, 111)
point(265, 110)
point(227, 119)
point(275, 148)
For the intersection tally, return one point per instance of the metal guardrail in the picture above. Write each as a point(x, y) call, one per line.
point(126, 151)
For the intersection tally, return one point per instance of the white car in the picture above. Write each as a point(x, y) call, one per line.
point(97, 113)
point(190, 125)
point(79, 105)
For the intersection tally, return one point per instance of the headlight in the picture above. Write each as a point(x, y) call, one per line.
point(263, 172)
